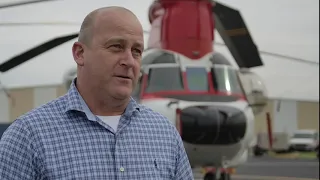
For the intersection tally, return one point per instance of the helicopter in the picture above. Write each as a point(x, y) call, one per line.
point(212, 103)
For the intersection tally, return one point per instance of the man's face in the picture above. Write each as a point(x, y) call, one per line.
point(113, 57)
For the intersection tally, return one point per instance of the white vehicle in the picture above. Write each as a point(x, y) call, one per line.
point(304, 140)
point(280, 142)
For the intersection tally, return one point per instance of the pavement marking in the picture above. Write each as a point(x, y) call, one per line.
point(255, 177)
point(285, 156)
point(199, 176)
point(279, 163)
point(313, 164)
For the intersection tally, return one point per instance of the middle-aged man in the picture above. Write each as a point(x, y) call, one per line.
point(97, 131)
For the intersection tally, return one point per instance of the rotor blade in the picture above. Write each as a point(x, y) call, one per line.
point(235, 34)
point(8, 5)
point(29, 54)
point(279, 55)
point(270, 54)
point(12, 24)
point(17, 60)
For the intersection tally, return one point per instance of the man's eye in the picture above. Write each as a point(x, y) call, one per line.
point(116, 46)
point(137, 51)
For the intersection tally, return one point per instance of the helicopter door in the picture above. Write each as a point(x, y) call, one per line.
point(255, 90)
point(225, 79)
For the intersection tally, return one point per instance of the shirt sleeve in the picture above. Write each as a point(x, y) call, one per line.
point(17, 153)
point(183, 168)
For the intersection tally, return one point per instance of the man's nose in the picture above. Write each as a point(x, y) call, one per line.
point(127, 59)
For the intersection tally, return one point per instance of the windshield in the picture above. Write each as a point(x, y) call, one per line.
point(197, 79)
point(226, 79)
point(304, 136)
point(164, 79)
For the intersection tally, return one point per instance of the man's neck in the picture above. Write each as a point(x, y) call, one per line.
point(102, 106)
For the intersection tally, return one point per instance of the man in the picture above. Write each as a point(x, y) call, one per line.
point(96, 130)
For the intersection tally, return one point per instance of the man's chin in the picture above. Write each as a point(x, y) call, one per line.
point(122, 93)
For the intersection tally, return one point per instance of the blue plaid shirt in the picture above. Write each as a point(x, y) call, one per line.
point(64, 140)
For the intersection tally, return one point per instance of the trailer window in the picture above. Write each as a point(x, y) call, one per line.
point(304, 135)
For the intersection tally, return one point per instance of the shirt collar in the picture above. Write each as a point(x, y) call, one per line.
point(76, 103)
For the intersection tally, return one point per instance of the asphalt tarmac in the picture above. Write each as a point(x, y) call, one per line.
point(268, 168)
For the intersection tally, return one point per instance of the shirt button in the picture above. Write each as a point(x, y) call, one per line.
point(121, 169)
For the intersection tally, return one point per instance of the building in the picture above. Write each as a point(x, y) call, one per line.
point(287, 115)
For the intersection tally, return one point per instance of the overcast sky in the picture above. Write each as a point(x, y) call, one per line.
point(289, 27)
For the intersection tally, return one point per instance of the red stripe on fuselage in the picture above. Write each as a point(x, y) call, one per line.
point(164, 94)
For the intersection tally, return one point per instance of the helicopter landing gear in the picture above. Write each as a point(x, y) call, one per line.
point(209, 176)
point(217, 176)
point(225, 176)
point(219, 173)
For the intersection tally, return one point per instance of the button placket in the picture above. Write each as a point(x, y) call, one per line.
point(119, 155)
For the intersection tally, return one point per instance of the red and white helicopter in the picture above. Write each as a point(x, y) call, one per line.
point(212, 103)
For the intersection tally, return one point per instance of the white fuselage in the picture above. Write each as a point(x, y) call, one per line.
point(207, 155)
point(200, 155)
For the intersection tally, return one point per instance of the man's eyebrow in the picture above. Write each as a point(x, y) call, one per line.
point(115, 39)
point(139, 45)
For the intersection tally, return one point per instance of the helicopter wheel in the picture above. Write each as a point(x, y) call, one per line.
point(212, 176)
point(225, 176)
point(209, 176)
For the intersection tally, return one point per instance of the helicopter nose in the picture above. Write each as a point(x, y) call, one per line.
point(212, 125)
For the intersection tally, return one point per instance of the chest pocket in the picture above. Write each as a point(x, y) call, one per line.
point(163, 168)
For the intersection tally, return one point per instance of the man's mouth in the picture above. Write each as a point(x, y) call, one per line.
point(124, 77)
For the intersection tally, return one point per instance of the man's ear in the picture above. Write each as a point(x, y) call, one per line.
point(77, 52)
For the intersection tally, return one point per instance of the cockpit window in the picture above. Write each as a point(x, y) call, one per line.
point(225, 79)
point(164, 79)
point(197, 78)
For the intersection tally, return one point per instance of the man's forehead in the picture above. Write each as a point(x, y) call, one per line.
point(118, 25)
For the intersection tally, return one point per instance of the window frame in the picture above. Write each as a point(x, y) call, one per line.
point(146, 71)
point(236, 72)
